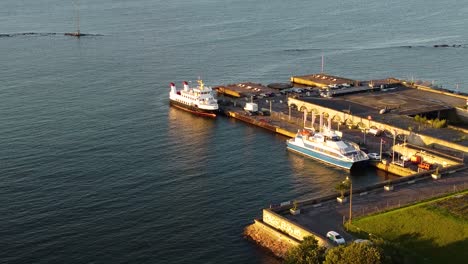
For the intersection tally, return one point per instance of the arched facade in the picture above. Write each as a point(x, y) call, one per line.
point(364, 123)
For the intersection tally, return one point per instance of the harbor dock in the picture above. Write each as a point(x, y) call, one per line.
point(389, 108)
point(382, 116)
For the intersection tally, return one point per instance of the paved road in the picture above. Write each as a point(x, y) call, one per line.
point(330, 215)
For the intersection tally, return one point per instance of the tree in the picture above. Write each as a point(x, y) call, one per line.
point(308, 252)
point(295, 205)
point(342, 187)
point(355, 253)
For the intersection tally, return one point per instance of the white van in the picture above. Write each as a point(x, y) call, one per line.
point(297, 90)
point(375, 131)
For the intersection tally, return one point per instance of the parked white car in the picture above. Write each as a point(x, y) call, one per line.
point(374, 156)
point(335, 238)
point(374, 131)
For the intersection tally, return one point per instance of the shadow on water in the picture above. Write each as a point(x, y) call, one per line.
point(312, 178)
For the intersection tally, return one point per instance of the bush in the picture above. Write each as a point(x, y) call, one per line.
point(342, 187)
point(355, 253)
point(436, 123)
point(439, 123)
point(308, 252)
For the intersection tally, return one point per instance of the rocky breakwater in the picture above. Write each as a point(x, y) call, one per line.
point(277, 233)
point(269, 238)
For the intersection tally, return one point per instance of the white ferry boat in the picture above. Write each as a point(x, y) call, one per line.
point(327, 146)
point(199, 100)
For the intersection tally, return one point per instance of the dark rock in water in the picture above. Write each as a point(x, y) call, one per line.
point(27, 34)
point(447, 46)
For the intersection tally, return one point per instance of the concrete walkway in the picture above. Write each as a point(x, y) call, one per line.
point(330, 215)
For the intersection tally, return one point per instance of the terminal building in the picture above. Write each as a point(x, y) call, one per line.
point(390, 105)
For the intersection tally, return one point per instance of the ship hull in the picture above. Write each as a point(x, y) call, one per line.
point(319, 156)
point(193, 109)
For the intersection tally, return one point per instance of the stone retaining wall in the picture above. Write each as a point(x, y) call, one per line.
point(290, 228)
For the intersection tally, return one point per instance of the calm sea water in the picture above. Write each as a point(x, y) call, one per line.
point(95, 167)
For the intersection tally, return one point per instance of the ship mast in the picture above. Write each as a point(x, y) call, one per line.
point(78, 18)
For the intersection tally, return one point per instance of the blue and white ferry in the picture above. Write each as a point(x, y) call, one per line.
point(327, 146)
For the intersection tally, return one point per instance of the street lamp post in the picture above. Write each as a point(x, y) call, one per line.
point(364, 133)
point(350, 199)
point(381, 142)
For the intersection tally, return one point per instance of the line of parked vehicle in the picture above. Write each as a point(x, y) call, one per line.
point(337, 239)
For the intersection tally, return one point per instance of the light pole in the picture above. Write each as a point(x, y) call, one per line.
point(350, 199)
point(381, 141)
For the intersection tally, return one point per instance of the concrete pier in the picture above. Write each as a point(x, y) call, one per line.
point(387, 105)
point(389, 110)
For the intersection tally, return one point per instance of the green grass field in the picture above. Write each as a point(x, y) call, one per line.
point(429, 232)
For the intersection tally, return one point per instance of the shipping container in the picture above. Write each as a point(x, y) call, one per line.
point(416, 159)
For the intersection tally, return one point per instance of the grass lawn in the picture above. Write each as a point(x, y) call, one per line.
point(429, 232)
